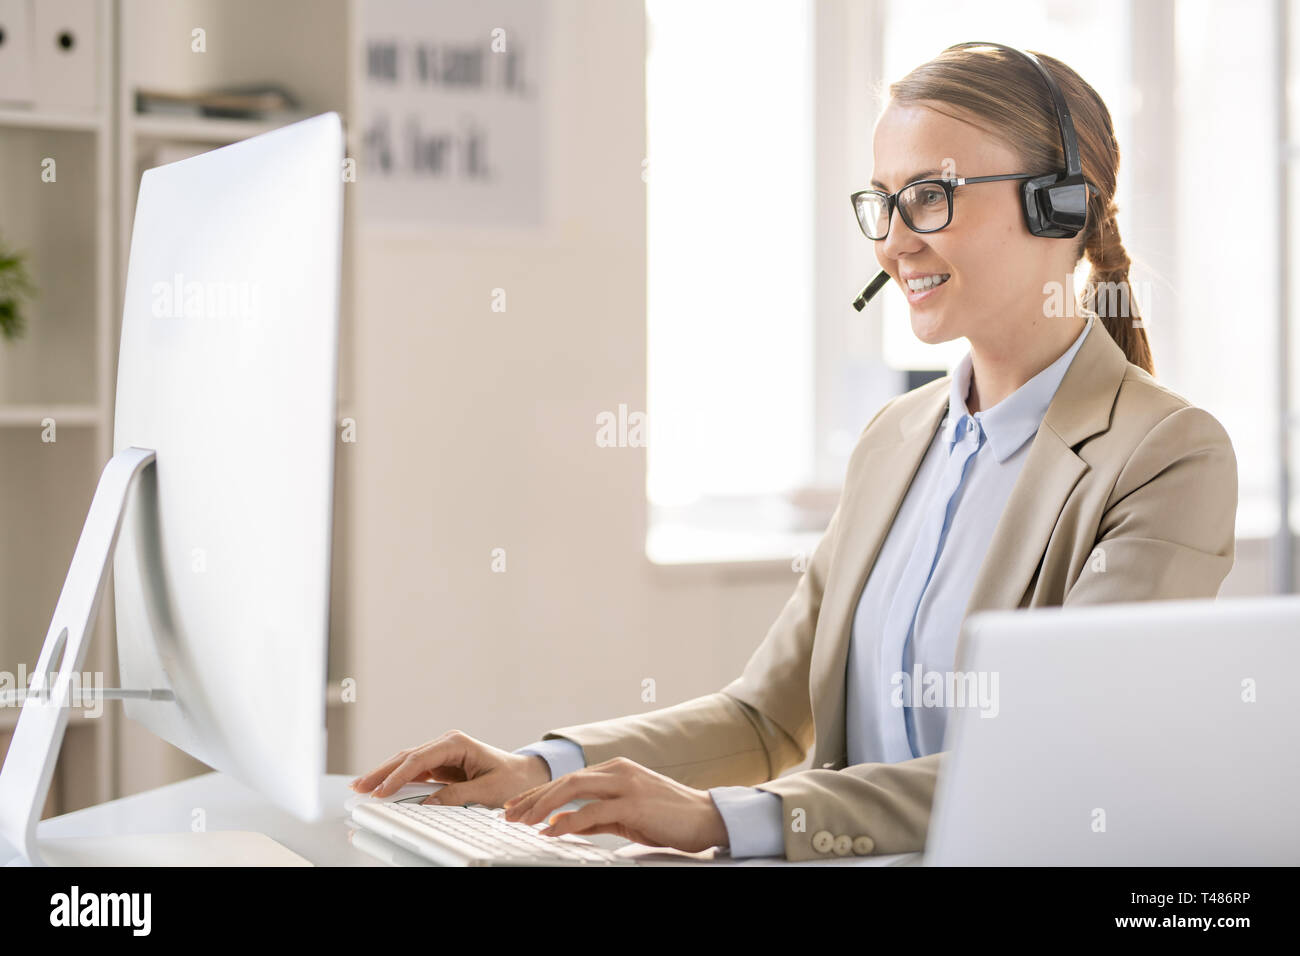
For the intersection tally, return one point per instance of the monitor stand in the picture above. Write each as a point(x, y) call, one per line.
point(38, 736)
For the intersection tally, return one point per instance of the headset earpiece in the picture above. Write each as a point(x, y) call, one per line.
point(1056, 206)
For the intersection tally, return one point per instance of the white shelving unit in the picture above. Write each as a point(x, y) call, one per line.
point(48, 119)
point(64, 368)
point(58, 373)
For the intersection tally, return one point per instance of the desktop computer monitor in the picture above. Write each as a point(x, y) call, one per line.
point(227, 370)
point(227, 374)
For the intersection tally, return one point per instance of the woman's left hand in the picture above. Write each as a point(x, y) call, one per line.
point(628, 800)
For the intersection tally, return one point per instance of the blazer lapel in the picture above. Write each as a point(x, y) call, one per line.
point(1079, 409)
point(866, 515)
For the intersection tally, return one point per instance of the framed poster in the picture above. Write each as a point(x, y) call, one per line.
point(451, 105)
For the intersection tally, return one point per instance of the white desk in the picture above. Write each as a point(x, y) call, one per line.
point(229, 805)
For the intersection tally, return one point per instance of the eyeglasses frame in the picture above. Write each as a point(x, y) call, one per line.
point(949, 186)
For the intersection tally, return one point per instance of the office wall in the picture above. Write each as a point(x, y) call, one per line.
point(476, 430)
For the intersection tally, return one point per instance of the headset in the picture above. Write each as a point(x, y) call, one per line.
point(1055, 204)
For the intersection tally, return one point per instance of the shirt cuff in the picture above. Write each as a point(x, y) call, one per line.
point(561, 755)
point(753, 819)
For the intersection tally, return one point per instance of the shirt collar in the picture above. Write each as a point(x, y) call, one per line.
point(1013, 421)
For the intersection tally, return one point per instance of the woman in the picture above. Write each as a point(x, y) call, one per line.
point(1049, 469)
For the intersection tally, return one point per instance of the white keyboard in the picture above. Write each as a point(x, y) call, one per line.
point(477, 836)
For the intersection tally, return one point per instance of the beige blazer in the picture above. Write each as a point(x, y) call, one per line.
point(1120, 463)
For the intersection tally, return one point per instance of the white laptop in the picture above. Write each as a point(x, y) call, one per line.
point(1152, 733)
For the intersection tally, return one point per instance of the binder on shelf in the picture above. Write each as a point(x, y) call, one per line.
point(65, 40)
point(15, 52)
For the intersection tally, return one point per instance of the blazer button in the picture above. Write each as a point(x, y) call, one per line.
point(843, 845)
point(863, 845)
point(823, 841)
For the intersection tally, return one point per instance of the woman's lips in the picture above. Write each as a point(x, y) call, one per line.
point(917, 297)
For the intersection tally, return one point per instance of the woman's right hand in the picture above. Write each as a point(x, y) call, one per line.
point(473, 772)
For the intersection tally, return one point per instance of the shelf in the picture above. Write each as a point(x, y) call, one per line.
point(205, 129)
point(9, 716)
point(45, 119)
point(22, 416)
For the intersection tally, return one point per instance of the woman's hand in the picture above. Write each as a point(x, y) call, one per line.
point(628, 800)
point(473, 771)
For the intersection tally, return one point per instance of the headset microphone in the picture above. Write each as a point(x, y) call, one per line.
point(870, 291)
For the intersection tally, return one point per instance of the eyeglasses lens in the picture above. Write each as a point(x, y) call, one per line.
point(924, 206)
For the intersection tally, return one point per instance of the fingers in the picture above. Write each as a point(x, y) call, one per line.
point(523, 803)
point(368, 781)
point(534, 805)
point(599, 816)
point(413, 767)
point(478, 790)
point(437, 759)
point(522, 800)
point(519, 804)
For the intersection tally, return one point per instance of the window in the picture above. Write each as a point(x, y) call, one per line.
point(761, 376)
point(729, 220)
point(1217, 344)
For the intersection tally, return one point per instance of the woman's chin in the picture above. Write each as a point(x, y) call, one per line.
point(929, 330)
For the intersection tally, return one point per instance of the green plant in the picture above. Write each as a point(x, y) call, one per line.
point(15, 288)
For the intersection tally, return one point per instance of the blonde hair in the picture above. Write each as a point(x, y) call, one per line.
point(975, 82)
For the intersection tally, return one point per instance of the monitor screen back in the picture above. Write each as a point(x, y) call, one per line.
point(227, 369)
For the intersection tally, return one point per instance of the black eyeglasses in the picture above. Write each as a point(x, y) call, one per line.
point(925, 205)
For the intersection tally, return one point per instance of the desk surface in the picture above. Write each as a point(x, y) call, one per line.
point(229, 805)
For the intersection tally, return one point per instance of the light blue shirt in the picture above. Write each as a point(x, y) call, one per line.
point(909, 613)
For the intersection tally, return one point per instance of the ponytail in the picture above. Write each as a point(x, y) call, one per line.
point(1109, 295)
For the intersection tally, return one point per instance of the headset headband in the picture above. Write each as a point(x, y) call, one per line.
point(1069, 145)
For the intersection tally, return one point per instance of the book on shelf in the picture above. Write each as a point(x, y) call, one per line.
point(256, 102)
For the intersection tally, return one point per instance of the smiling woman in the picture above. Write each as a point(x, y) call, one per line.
point(997, 486)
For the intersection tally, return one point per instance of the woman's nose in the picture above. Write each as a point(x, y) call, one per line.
point(900, 240)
